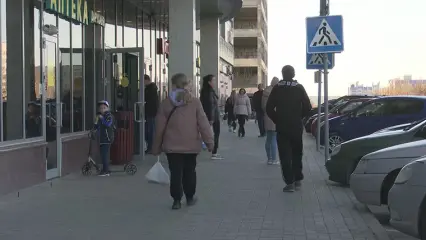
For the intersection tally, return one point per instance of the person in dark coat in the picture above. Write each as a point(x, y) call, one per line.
point(257, 106)
point(209, 100)
point(229, 111)
point(151, 107)
point(287, 104)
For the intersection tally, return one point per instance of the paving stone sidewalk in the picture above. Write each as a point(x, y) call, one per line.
point(241, 198)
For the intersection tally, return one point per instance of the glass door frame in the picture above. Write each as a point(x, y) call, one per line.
point(139, 106)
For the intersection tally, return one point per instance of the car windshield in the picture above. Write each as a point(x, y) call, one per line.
point(413, 124)
point(349, 107)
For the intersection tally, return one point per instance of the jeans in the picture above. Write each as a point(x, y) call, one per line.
point(183, 178)
point(216, 132)
point(261, 122)
point(271, 145)
point(290, 149)
point(104, 152)
point(149, 132)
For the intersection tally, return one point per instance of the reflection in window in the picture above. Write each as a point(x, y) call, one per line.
point(65, 74)
point(130, 29)
point(78, 80)
point(109, 35)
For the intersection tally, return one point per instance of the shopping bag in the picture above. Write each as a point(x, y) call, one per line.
point(157, 174)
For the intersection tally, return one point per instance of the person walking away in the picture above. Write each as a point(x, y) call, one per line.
point(257, 106)
point(242, 109)
point(181, 126)
point(209, 100)
point(151, 106)
point(287, 104)
point(271, 135)
point(104, 125)
point(229, 110)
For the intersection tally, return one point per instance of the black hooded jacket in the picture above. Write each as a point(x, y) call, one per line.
point(287, 104)
point(151, 100)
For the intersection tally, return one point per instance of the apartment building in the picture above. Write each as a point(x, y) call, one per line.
point(251, 45)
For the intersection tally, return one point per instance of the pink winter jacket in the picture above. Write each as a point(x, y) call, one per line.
point(187, 128)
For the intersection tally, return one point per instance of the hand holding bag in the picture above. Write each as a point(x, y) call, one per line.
point(157, 174)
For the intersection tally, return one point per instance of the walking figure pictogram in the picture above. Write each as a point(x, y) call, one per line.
point(324, 34)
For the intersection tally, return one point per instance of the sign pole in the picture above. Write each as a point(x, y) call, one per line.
point(319, 113)
point(325, 11)
point(326, 126)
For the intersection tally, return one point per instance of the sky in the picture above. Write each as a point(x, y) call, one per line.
point(384, 39)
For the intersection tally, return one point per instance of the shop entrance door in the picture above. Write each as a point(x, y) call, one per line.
point(124, 87)
point(53, 106)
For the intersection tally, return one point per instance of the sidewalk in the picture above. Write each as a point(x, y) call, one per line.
point(241, 198)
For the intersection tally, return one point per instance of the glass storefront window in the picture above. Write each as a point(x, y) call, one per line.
point(65, 74)
point(78, 79)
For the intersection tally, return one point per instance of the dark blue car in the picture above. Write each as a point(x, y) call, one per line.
point(374, 115)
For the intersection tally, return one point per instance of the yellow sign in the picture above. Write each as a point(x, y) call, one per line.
point(72, 9)
point(50, 76)
point(125, 81)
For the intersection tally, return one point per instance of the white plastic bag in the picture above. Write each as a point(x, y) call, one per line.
point(157, 174)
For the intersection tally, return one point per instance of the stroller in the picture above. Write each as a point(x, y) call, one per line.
point(87, 168)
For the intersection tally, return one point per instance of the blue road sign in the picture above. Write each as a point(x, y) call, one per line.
point(315, 61)
point(324, 34)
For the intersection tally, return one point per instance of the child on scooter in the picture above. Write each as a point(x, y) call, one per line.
point(104, 125)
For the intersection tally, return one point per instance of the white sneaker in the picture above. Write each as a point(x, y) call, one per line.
point(234, 131)
point(216, 157)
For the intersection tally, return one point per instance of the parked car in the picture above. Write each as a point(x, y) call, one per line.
point(398, 127)
point(339, 110)
point(407, 199)
point(345, 157)
point(331, 104)
point(375, 115)
point(376, 172)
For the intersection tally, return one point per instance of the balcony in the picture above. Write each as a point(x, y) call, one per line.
point(246, 57)
point(226, 51)
point(246, 29)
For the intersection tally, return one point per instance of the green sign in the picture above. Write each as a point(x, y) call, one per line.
point(75, 10)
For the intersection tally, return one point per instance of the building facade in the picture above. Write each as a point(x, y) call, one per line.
point(361, 89)
point(60, 57)
point(251, 46)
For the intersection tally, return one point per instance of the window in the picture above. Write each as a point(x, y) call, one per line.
point(77, 78)
point(405, 106)
point(351, 106)
point(65, 74)
point(373, 109)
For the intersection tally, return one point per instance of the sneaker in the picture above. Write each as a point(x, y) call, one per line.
point(289, 188)
point(234, 131)
point(191, 201)
point(104, 174)
point(216, 157)
point(298, 184)
point(269, 162)
point(176, 205)
point(277, 163)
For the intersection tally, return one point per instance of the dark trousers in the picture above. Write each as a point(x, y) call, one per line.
point(290, 150)
point(261, 122)
point(104, 152)
point(149, 132)
point(183, 178)
point(216, 132)
point(231, 121)
point(241, 122)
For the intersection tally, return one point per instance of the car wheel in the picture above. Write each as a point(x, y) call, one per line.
point(334, 140)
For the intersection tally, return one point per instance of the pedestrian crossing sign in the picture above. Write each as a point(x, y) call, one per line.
point(324, 34)
point(316, 61)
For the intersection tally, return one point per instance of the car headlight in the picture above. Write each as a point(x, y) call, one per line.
point(336, 150)
point(405, 174)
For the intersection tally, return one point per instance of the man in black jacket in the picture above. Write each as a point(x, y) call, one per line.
point(287, 104)
point(151, 106)
point(257, 105)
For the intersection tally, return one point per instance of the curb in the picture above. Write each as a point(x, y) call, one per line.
point(378, 230)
